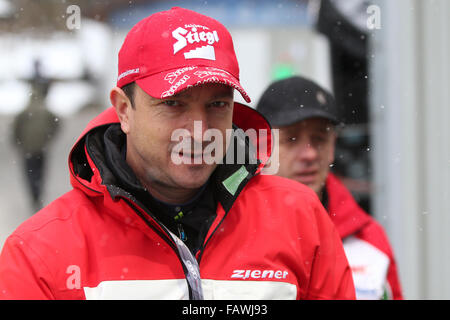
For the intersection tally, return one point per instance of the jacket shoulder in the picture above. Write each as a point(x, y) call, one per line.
point(280, 199)
point(374, 233)
point(351, 220)
point(282, 185)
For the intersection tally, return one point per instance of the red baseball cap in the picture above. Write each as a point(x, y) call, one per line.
point(173, 50)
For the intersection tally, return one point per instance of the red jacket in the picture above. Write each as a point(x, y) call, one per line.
point(93, 243)
point(366, 245)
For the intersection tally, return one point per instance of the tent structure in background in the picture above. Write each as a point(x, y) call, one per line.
point(344, 23)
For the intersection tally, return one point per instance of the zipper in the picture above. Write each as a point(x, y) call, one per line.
point(163, 234)
point(181, 233)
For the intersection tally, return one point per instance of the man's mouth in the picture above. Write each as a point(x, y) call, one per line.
point(306, 177)
point(191, 158)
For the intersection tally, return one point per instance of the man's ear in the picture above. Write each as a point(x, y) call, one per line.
point(123, 107)
point(333, 146)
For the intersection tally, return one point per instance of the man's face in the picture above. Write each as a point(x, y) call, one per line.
point(151, 123)
point(307, 151)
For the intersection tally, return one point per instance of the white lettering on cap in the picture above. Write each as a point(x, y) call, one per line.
point(184, 37)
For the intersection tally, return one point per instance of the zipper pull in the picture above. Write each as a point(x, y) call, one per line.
point(181, 232)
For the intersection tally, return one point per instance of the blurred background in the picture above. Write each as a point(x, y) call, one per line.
point(386, 62)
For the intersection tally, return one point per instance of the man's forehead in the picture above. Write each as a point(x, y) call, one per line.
point(215, 89)
point(311, 124)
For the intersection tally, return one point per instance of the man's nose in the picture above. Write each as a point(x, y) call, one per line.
point(197, 124)
point(306, 152)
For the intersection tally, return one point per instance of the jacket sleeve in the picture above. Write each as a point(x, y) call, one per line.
point(331, 277)
point(23, 274)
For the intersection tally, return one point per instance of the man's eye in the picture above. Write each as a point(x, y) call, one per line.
point(171, 103)
point(318, 140)
point(288, 139)
point(219, 104)
point(291, 139)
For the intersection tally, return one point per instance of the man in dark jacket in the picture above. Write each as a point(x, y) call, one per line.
point(33, 130)
point(151, 217)
point(306, 115)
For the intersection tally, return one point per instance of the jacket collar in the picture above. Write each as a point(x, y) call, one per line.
point(347, 215)
point(87, 174)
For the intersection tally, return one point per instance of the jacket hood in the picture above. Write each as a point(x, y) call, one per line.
point(347, 215)
point(84, 174)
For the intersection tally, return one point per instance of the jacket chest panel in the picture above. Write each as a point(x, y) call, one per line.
point(242, 264)
point(162, 289)
point(116, 261)
point(369, 268)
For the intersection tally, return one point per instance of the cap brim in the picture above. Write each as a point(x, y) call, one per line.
point(171, 82)
point(290, 118)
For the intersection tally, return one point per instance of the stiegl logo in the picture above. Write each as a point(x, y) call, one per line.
point(184, 37)
point(259, 274)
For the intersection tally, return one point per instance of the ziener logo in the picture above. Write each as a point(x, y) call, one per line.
point(259, 274)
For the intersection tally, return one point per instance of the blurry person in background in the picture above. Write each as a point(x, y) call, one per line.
point(33, 129)
point(307, 117)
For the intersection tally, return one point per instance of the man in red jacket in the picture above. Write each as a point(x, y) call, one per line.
point(306, 115)
point(151, 216)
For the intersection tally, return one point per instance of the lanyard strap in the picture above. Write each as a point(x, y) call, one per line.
point(191, 267)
